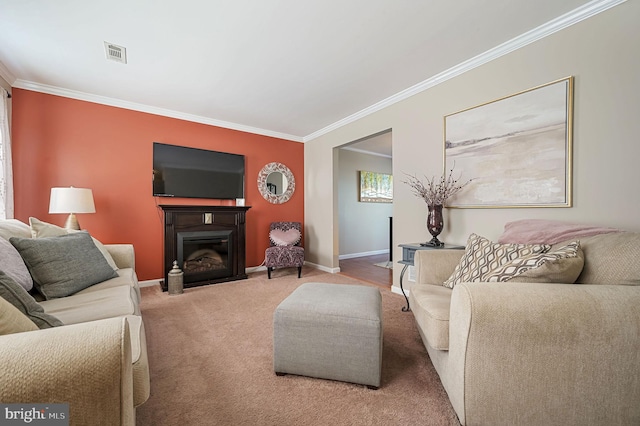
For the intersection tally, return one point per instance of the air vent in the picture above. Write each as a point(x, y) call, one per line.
point(115, 52)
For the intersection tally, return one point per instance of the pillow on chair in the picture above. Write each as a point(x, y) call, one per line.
point(282, 238)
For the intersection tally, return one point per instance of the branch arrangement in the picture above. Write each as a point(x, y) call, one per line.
point(435, 192)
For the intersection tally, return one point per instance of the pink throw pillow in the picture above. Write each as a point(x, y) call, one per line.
point(284, 238)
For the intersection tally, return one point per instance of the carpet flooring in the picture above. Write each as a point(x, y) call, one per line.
point(387, 265)
point(211, 363)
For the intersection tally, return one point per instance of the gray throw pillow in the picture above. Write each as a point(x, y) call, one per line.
point(64, 265)
point(40, 229)
point(13, 293)
point(13, 265)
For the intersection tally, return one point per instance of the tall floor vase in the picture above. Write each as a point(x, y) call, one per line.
point(435, 224)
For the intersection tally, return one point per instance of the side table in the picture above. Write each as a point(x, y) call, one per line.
point(408, 253)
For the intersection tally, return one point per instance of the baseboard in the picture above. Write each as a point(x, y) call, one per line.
point(322, 268)
point(251, 269)
point(149, 283)
point(363, 254)
point(397, 290)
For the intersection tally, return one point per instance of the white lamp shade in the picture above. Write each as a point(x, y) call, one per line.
point(71, 200)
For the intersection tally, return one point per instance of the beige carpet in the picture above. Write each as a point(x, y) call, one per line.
point(210, 355)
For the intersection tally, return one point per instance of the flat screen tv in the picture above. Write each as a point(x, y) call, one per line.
point(180, 171)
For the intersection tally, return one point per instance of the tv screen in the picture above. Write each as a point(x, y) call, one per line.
point(180, 171)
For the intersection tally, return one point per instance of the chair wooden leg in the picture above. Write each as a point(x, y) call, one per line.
point(269, 271)
point(299, 271)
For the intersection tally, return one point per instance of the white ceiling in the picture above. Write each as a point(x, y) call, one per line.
point(288, 68)
point(379, 144)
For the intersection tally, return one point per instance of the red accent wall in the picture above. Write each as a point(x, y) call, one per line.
point(58, 141)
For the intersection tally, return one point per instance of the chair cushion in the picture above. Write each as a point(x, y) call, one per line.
point(287, 256)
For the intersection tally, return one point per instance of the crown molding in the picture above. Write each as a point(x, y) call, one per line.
point(577, 15)
point(364, 151)
point(6, 74)
point(103, 100)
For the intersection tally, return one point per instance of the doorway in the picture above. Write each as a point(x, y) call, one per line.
point(364, 226)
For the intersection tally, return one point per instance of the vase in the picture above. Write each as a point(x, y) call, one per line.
point(435, 224)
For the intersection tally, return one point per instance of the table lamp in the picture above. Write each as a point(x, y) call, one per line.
point(71, 200)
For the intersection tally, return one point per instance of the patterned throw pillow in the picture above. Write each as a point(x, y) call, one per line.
point(558, 266)
point(482, 256)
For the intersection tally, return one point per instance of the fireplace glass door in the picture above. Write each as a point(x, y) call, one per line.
point(205, 255)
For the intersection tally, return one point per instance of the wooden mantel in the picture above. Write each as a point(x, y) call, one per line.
point(229, 221)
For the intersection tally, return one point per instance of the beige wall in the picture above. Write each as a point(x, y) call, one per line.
point(7, 87)
point(601, 52)
point(363, 227)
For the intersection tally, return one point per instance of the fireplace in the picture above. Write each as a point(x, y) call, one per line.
point(205, 254)
point(208, 242)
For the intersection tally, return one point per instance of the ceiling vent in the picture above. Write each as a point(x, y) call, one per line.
point(115, 52)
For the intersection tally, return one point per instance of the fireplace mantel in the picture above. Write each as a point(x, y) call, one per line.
point(223, 225)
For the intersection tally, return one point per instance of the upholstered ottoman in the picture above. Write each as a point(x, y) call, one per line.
point(330, 331)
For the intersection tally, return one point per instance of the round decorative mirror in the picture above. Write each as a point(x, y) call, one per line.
point(276, 183)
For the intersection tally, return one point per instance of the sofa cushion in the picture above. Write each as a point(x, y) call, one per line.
point(63, 265)
point(15, 294)
point(430, 305)
point(611, 259)
point(13, 265)
point(126, 277)
point(481, 256)
point(40, 229)
point(562, 265)
point(14, 228)
point(83, 307)
point(12, 320)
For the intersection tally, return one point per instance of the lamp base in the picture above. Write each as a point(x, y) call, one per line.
point(72, 223)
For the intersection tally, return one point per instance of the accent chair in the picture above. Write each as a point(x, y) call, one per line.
point(285, 250)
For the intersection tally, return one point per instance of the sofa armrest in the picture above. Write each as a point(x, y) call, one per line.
point(435, 266)
point(123, 255)
point(549, 353)
point(86, 365)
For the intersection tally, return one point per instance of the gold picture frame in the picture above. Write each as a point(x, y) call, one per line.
point(517, 149)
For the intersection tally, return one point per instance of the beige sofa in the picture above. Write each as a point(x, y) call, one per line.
point(97, 361)
point(537, 354)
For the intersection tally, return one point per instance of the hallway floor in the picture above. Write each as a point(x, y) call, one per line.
point(364, 268)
